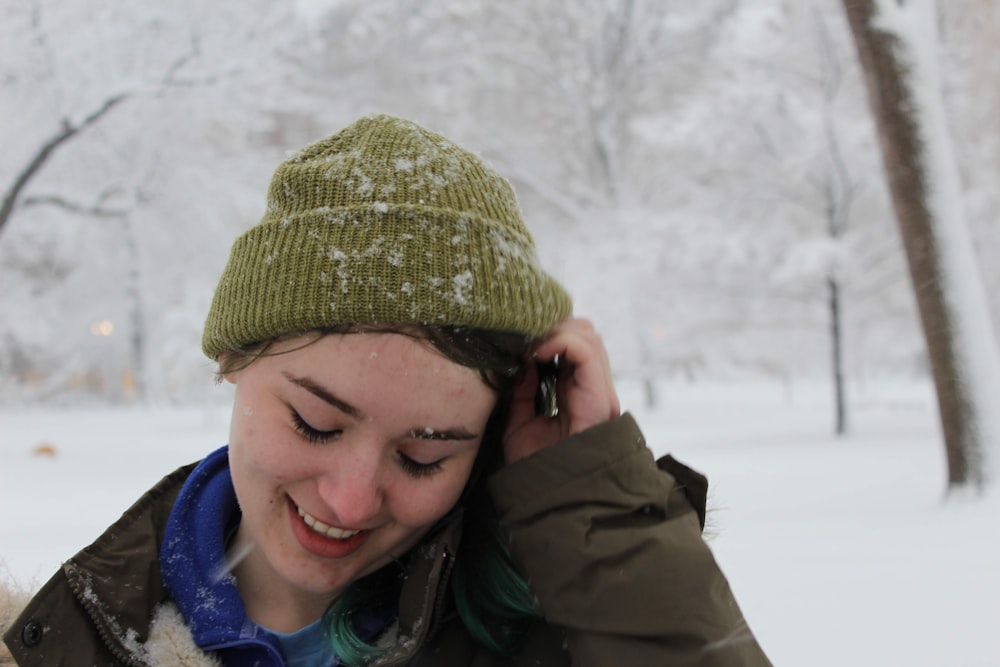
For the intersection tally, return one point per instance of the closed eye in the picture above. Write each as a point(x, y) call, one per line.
point(415, 468)
point(313, 435)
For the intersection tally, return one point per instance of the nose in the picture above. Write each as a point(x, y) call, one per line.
point(351, 486)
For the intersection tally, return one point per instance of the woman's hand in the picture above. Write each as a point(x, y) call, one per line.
point(585, 393)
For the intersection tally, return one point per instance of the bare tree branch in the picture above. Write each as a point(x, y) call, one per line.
point(68, 130)
point(95, 210)
point(46, 150)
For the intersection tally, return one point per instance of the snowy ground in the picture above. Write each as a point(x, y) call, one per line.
point(840, 551)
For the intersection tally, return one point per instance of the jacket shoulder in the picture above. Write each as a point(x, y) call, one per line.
point(611, 543)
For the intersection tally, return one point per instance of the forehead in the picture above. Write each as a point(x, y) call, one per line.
point(402, 355)
point(384, 376)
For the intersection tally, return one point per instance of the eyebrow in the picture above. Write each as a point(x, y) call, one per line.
point(426, 433)
point(324, 394)
point(433, 434)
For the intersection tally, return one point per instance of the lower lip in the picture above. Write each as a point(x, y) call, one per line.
point(321, 545)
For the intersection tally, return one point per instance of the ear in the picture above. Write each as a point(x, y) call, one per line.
point(229, 377)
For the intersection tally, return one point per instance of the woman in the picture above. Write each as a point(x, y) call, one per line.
point(427, 463)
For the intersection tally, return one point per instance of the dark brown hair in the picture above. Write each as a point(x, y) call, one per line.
point(498, 356)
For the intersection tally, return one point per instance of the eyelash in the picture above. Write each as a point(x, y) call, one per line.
point(417, 469)
point(317, 437)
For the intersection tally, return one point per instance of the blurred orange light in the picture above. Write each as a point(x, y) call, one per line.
point(102, 328)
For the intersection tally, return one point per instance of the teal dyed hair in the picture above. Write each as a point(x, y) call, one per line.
point(352, 650)
point(491, 596)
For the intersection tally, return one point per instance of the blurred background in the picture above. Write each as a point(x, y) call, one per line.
point(703, 176)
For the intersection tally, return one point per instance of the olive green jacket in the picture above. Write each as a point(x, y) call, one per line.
point(609, 539)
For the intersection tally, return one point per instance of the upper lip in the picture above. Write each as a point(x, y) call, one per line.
point(325, 528)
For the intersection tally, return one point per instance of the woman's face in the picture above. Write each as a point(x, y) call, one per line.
point(344, 452)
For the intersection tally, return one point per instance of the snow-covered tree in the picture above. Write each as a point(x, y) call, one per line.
point(969, 33)
point(561, 97)
point(677, 163)
point(897, 44)
point(805, 172)
point(127, 145)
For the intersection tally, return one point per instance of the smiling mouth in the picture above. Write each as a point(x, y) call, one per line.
point(323, 529)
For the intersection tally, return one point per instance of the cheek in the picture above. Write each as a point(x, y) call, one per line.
point(418, 511)
point(256, 452)
point(424, 502)
point(255, 429)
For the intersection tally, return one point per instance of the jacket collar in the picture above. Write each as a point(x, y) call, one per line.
point(117, 579)
point(422, 600)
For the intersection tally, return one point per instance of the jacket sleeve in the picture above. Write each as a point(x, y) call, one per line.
point(611, 545)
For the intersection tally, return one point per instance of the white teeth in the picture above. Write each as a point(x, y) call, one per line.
point(323, 529)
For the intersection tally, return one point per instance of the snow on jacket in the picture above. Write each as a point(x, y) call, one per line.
point(610, 541)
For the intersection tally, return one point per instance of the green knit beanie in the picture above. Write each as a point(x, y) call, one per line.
point(383, 223)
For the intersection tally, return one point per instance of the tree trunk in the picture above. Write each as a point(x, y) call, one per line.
point(931, 224)
point(837, 350)
point(135, 388)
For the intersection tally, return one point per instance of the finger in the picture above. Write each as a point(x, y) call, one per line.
point(586, 387)
point(570, 338)
point(581, 349)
